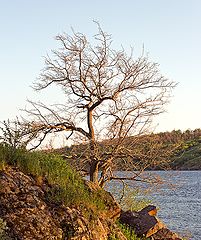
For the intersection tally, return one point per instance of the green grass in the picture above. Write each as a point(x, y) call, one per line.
point(128, 233)
point(67, 186)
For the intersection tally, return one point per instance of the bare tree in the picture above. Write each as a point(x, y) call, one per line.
point(110, 96)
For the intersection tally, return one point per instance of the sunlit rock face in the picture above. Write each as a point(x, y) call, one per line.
point(23, 208)
point(29, 215)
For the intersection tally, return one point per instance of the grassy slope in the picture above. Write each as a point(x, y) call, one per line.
point(65, 184)
point(188, 158)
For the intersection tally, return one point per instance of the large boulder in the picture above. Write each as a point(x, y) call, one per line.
point(146, 224)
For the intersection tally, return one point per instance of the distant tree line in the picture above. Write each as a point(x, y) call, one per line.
point(152, 151)
point(176, 136)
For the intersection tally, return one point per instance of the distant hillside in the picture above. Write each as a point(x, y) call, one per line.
point(184, 150)
point(189, 158)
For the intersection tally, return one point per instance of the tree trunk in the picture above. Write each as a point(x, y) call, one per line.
point(94, 164)
point(94, 171)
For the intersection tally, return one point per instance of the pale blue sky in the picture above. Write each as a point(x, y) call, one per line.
point(170, 31)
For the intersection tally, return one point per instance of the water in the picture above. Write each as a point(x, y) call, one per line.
point(179, 201)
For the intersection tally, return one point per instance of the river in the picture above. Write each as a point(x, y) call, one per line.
point(179, 200)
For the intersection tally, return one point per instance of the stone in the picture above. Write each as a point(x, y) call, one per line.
point(150, 209)
point(141, 223)
point(145, 223)
point(30, 216)
point(165, 234)
point(159, 225)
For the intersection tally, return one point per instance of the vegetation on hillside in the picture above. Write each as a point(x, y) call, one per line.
point(66, 184)
point(187, 154)
point(188, 157)
point(166, 150)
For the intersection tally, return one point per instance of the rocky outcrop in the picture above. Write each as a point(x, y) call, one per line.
point(146, 224)
point(29, 215)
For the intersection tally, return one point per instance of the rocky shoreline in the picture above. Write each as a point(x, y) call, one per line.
point(29, 215)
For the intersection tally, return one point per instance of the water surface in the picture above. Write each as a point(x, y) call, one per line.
point(179, 200)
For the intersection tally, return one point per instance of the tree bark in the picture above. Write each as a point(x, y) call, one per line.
point(94, 171)
point(94, 166)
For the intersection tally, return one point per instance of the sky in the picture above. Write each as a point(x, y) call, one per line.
point(170, 32)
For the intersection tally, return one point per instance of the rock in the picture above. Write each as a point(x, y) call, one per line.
point(23, 208)
point(113, 209)
point(159, 225)
point(141, 223)
point(145, 223)
point(30, 216)
point(165, 234)
point(150, 209)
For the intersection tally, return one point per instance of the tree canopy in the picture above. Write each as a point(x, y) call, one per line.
point(110, 95)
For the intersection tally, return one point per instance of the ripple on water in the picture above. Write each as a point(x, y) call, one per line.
point(180, 205)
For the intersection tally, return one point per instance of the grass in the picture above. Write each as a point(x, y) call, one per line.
point(67, 186)
point(128, 233)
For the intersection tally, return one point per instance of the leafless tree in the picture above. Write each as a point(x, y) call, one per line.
point(110, 96)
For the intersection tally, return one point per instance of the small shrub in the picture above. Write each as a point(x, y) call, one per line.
point(127, 232)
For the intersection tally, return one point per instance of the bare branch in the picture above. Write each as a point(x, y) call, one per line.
point(110, 96)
